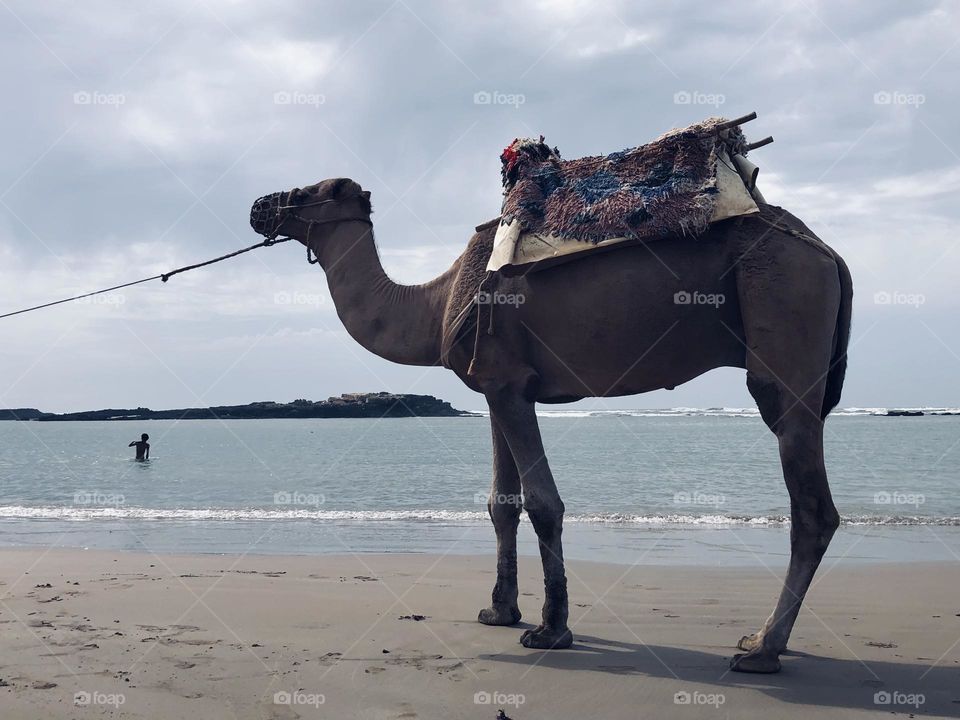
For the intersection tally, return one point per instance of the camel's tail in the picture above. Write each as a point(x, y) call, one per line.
point(838, 363)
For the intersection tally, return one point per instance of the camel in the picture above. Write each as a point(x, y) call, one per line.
point(610, 324)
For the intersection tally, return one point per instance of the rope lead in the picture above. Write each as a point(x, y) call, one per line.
point(163, 276)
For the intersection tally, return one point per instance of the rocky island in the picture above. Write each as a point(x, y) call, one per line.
point(349, 405)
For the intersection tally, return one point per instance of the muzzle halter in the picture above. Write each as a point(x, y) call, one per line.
point(271, 211)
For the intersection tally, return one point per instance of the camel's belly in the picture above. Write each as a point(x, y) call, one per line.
point(628, 321)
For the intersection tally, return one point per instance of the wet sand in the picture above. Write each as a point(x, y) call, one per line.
point(123, 635)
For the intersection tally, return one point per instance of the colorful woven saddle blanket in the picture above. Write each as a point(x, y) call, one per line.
point(677, 184)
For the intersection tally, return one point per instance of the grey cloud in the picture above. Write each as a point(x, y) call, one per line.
point(106, 190)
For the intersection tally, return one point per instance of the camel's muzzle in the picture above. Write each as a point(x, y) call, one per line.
point(266, 216)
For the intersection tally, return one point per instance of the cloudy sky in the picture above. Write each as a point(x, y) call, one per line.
point(136, 136)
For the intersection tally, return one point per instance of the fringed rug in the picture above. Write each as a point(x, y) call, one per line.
point(677, 184)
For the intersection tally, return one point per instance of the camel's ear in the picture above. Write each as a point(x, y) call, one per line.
point(365, 195)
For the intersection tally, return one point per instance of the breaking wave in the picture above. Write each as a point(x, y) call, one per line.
point(750, 412)
point(444, 516)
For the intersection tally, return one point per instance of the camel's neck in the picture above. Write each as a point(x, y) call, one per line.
point(401, 323)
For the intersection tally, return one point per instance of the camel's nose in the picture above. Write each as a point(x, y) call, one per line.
point(265, 214)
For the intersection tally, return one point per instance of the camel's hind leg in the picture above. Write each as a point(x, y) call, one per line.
point(791, 296)
point(504, 506)
point(796, 421)
point(813, 522)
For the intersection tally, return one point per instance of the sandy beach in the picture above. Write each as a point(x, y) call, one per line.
point(123, 635)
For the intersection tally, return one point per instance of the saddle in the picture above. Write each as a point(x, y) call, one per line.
point(678, 184)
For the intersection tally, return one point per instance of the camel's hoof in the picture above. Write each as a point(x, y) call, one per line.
point(750, 642)
point(542, 639)
point(755, 662)
point(500, 615)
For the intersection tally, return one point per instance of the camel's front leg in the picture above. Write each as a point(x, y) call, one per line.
point(517, 420)
point(504, 506)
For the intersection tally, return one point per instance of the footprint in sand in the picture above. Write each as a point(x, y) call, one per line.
point(188, 663)
point(180, 629)
point(187, 695)
point(417, 662)
point(172, 640)
point(452, 670)
point(82, 627)
point(265, 573)
point(406, 711)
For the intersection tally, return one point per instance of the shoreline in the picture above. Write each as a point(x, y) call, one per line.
point(701, 546)
point(255, 636)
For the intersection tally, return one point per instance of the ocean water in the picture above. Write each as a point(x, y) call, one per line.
point(669, 486)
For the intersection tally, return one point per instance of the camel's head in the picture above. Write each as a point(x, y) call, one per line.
point(309, 214)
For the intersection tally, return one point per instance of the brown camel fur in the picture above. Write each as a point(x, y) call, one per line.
point(609, 324)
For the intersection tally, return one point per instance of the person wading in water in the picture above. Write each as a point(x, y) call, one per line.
point(143, 447)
